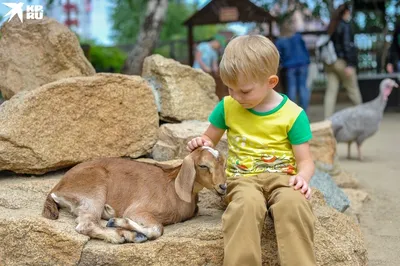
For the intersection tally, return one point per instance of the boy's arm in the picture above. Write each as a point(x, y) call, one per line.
point(305, 167)
point(213, 134)
point(305, 163)
point(210, 138)
point(299, 135)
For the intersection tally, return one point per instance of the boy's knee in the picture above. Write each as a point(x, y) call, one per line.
point(293, 203)
point(246, 203)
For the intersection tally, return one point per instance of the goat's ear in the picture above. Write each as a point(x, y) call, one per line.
point(185, 180)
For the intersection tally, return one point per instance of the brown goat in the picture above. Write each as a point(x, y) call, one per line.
point(138, 198)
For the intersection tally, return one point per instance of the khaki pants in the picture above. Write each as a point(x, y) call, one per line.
point(335, 74)
point(248, 199)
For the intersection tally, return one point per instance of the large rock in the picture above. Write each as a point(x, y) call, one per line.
point(334, 196)
point(173, 138)
point(25, 237)
point(323, 149)
point(28, 239)
point(182, 92)
point(37, 52)
point(77, 119)
point(345, 179)
point(357, 198)
point(323, 143)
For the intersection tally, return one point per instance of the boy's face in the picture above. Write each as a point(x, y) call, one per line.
point(249, 94)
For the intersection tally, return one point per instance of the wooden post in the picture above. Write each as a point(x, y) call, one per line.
point(190, 44)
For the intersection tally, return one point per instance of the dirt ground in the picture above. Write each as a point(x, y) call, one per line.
point(379, 175)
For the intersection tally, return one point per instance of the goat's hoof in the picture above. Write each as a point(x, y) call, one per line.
point(140, 238)
point(111, 223)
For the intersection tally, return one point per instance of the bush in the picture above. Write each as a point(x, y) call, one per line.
point(107, 59)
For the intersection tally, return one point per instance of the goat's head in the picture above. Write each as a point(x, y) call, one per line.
point(204, 167)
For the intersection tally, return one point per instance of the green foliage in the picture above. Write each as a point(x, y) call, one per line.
point(127, 16)
point(173, 28)
point(107, 59)
point(202, 33)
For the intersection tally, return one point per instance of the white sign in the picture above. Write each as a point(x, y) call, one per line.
point(32, 11)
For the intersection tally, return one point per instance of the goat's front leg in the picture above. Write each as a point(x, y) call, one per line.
point(142, 222)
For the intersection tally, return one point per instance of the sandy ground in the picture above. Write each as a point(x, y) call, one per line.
point(379, 175)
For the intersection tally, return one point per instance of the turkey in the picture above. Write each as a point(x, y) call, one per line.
point(362, 121)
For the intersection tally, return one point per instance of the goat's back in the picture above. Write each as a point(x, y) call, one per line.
point(127, 183)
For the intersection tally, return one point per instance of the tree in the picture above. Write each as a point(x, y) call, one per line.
point(149, 32)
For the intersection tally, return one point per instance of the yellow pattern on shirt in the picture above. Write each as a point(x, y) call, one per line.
point(259, 143)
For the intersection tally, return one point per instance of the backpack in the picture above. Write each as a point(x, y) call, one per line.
point(325, 50)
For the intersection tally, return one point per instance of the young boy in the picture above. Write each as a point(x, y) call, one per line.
point(269, 162)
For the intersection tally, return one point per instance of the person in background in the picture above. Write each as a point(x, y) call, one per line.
point(206, 57)
point(295, 60)
point(344, 69)
point(394, 51)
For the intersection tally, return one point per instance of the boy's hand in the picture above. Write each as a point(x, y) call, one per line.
point(300, 183)
point(198, 142)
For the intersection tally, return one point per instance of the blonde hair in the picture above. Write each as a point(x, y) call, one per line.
point(254, 57)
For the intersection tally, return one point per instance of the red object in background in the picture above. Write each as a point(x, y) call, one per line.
point(88, 6)
point(68, 7)
point(70, 22)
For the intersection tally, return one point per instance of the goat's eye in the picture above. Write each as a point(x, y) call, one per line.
point(202, 166)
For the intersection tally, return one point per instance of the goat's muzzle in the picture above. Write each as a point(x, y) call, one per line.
point(220, 189)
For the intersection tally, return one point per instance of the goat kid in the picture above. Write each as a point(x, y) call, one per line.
point(136, 198)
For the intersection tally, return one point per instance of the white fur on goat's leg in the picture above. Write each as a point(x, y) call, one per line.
point(143, 223)
point(89, 213)
point(108, 212)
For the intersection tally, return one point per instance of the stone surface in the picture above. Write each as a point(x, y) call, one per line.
point(77, 119)
point(346, 180)
point(37, 52)
point(323, 143)
point(323, 148)
point(357, 198)
point(173, 138)
point(25, 237)
point(28, 239)
point(182, 92)
point(334, 196)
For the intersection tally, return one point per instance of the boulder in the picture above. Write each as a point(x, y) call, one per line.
point(182, 92)
point(334, 196)
point(323, 149)
point(77, 119)
point(323, 143)
point(357, 198)
point(346, 180)
point(28, 239)
point(37, 52)
point(173, 138)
